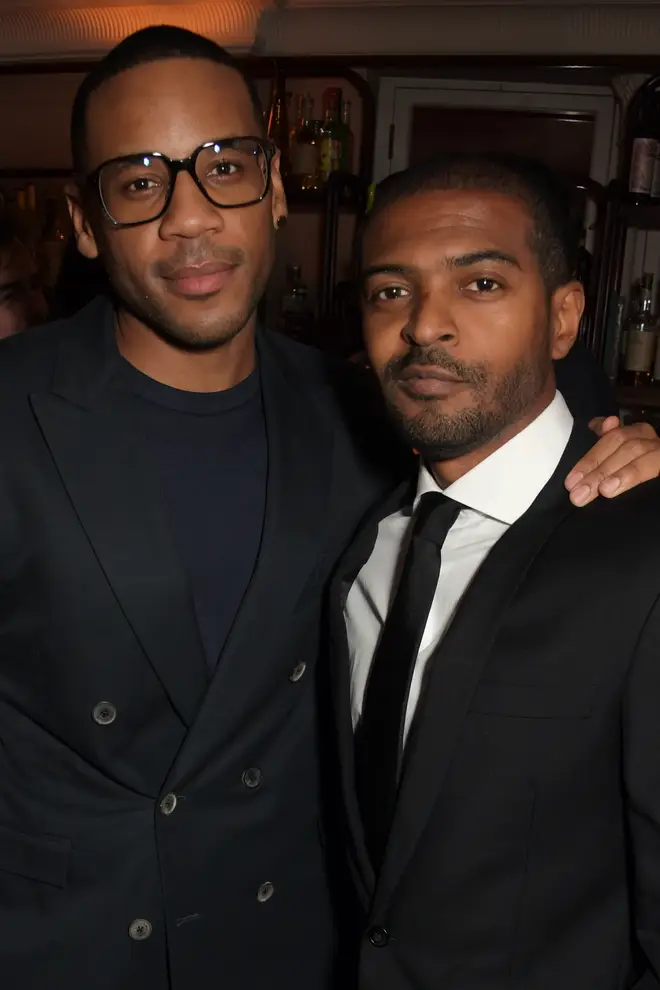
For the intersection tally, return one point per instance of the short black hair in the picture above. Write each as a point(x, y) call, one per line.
point(547, 196)
point(151, 44)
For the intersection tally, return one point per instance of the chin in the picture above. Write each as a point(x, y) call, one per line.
point(203, 337)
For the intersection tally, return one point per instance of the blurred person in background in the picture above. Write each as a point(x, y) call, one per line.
point(22, 302)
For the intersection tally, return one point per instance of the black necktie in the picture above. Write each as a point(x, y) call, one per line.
point(379, 736)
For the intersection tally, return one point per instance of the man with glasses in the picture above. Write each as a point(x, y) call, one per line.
point(175, 487)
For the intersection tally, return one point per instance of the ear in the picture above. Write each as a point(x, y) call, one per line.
point(278, 199)
point(82, 227)
point(567, 307)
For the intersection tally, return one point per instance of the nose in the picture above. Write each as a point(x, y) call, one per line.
point(189, 214)
point(432, 320)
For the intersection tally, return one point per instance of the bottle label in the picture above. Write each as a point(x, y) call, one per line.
point(644, 154)
point(655, 184)
point(656, 366)
point(304, 158)
point(640, 350)
point(330, 155)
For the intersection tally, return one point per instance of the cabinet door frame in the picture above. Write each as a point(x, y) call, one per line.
point(397, 97)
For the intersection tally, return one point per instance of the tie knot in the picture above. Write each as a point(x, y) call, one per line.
point(435, 516)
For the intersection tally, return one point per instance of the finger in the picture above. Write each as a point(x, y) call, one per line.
point(636, 460)
point(606, 446)
point(645, 468)
point(603, 424)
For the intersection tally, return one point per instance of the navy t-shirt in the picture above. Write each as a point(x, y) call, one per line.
point(209, 452)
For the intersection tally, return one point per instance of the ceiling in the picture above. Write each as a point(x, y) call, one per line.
point(47, 30)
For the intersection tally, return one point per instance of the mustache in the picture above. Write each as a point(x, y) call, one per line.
point(200, 254)
point(437, 357)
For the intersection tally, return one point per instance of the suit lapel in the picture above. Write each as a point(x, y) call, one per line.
point(119, 507)
point(299, 479)
point(347, 571)
point(456, 667)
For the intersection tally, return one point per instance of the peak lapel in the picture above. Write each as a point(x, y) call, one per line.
point(340, 671)
point(300, 451)
point(119, 506)
point(457, 664)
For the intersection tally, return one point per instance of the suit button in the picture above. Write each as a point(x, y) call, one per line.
point(297, 672)
point(253, 778)
point(379, 937)
point(140, 929)
point(168, 804)
point(104, 713)
point(265, 892)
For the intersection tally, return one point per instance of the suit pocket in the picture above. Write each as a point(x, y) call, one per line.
point(37, 857)
point(532, 700)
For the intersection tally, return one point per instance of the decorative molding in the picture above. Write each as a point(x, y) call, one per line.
point(40, 33)
point(609, 28)
point(315, 4)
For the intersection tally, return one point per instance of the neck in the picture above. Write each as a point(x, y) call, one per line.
point(449, 471)
point(212, 370)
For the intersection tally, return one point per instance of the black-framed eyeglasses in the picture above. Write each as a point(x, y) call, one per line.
point(231, 173)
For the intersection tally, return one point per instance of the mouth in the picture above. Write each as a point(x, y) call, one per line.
point(430, 382)
point(199, 281)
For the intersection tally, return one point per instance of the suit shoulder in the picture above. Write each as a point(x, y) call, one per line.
point(27, 359)
point(301, 359)
point(633, 512)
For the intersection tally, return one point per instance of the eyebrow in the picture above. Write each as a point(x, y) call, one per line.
point(476, 257)
point(460, 261)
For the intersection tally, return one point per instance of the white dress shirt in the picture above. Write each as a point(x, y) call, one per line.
point(496, 493)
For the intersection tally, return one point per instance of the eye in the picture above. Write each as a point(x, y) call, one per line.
point(142, 184)
point(224, 169)
point(388, 293)
point(483, 286)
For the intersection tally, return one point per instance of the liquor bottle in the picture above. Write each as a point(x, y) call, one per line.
point(305, 150)
point(348, 139)
point(645, 150)
point(331, 135)
point(24, 216)
point(278, 125)
point(641, 337)
point(295, 122)
point(296, 317)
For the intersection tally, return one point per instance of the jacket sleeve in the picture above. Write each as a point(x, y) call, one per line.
point(641, 770)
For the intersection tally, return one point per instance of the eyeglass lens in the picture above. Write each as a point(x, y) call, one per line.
point(135, 189)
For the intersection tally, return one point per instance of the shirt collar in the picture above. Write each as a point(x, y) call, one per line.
point(504, 485)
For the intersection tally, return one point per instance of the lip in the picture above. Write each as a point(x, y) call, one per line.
point(430, 382)
point(196, 281)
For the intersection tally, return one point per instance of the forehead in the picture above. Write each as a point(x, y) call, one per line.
point(171, 106)
point(436, 225)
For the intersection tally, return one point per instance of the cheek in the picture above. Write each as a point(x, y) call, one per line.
point(498, 332)
point(132, 252)
point(382, 334)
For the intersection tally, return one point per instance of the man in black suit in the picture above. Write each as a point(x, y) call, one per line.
point(175, 487)
point(497, 666)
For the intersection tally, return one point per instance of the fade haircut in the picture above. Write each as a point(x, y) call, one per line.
point(554, 235)
point(151, 44)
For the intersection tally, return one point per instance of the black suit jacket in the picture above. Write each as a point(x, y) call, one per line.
point(105, 707)
point(525, 849)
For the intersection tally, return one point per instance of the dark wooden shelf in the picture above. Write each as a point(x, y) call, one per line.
point(35, 173)
point(351, 194)
point(644, 216)
point(639, 396)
